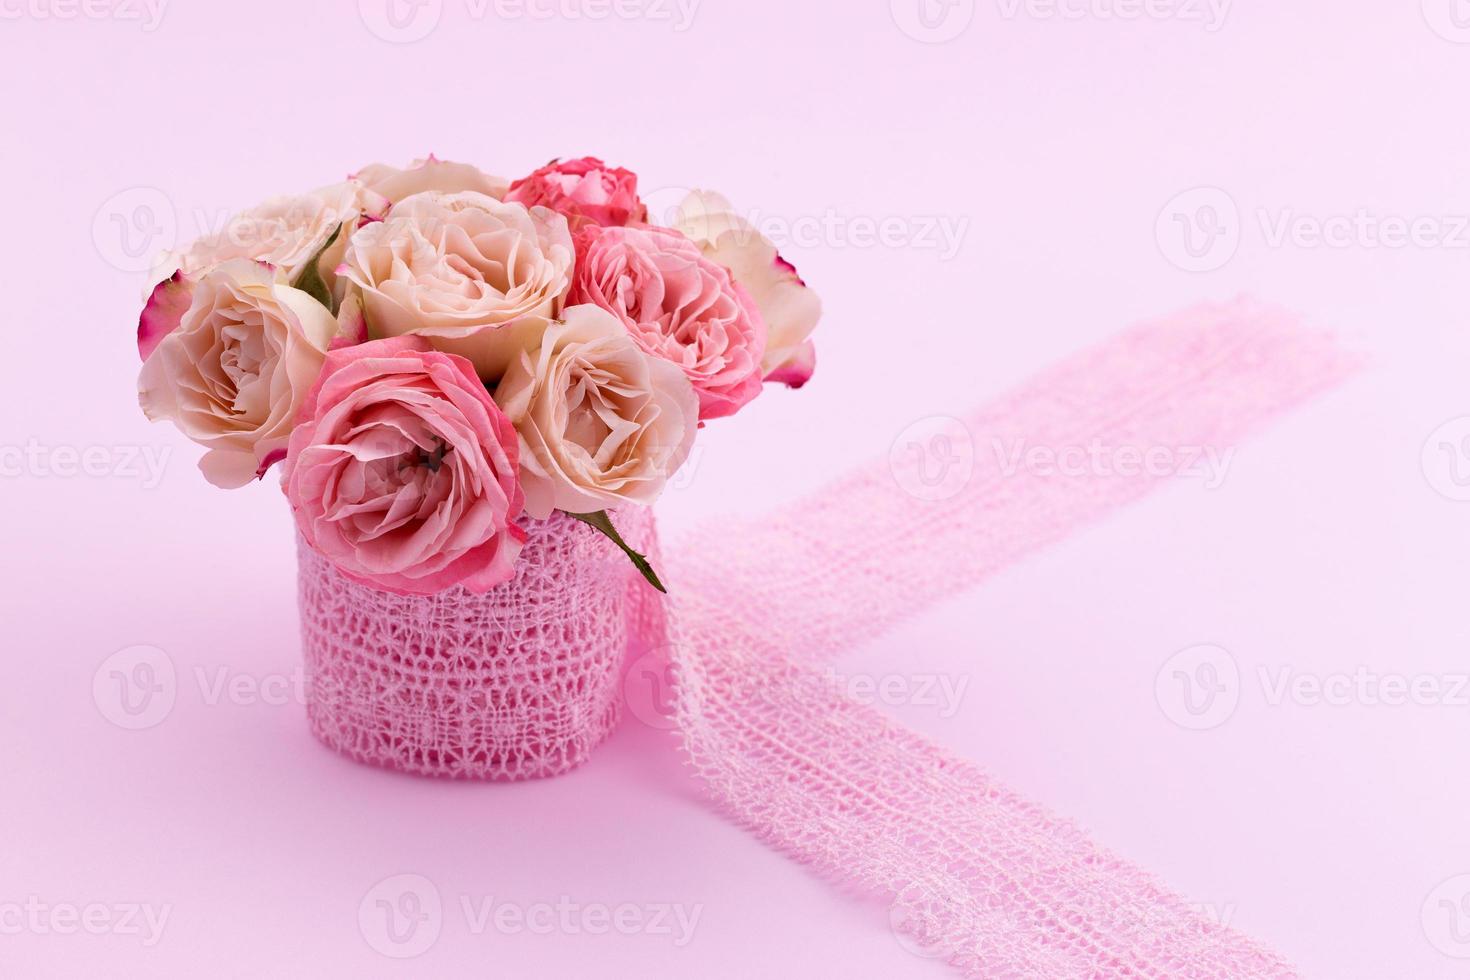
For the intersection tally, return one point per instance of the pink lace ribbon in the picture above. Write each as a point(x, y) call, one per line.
point(996, 885)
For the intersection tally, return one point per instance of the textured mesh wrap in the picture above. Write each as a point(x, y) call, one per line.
point(520, 682)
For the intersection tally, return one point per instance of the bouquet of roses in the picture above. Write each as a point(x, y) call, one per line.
point(436, 356)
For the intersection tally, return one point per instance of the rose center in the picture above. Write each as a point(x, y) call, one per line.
point(242, 359)
point(430, 459)
point(595, 417)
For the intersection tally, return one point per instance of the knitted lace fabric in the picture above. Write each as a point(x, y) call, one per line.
point(520, 682)
point(977, 875)
point(994, 884)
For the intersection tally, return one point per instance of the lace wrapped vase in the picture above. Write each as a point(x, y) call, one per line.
point(520, 682)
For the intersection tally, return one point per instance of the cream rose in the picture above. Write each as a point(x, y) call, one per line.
point(470, 274)
point(286, 232)
point(431, 174)
point(601, 423)
point(790, 309)
point(229, 358)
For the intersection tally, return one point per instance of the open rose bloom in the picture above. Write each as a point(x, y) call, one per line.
point(473, 391)
point(403, 470)
point(680, 307)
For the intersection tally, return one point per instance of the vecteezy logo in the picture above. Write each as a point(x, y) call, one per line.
point(400, 21)
point(934, 458)
point(402, 916)
point(1450, 19)
point(1446, 459)
point(648, 689)
point(132, 226)
point(666, 206)
point(925, 903)
point(1199, 687)
point(932, 21)
point(1199, 230)
point(1446, 917)
point(136, 687)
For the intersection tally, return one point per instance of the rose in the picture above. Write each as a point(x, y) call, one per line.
point(402, 471)
point(679, 306)
point(228, 358)
point(790, 309)
point(585, 190)
point(601, 423)
point(431, 174)
point(475, 276)
point(286, 232)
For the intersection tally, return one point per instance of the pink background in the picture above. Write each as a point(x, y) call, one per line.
point(1335, 832)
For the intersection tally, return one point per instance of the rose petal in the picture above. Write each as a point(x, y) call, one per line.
point(797, 370)
point(166, 306)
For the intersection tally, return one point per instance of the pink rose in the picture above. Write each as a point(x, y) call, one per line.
point(585, 190)
point(679, 306)
point(402, 470)
point(791, 310)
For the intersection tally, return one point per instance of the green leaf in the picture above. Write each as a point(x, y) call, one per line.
point(310, 280)
point(603, 523)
